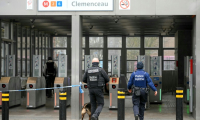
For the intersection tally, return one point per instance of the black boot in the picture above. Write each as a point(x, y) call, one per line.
point(136, 117)
point(94, 118)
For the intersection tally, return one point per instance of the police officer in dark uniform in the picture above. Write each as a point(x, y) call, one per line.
point(49, 71)
point(139, 80)
point(96, 77)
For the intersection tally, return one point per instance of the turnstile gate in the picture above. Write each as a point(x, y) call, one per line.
point(85, 95)
point(61, 82)
point(157, 81)
point(11, 83)
point(36, 98)
point(113, 86)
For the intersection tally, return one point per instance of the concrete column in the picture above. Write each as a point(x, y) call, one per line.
point(76, 66)
point(196, 68)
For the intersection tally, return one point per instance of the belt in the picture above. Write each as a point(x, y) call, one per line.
point(142, 88)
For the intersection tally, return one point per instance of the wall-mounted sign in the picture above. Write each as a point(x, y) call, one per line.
point(29, 4)
point(124, 4)
point(75, 5)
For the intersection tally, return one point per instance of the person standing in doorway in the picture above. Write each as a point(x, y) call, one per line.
point(139, 79)
point(49, 71)
point(96, 77)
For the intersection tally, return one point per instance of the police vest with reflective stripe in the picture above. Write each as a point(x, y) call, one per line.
point(94, 78)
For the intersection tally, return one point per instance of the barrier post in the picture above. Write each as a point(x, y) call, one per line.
point(121, 104)
point(179, 103)
point(5, 105)
point(62, 105)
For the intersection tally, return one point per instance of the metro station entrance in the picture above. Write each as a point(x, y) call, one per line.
point(106, 36)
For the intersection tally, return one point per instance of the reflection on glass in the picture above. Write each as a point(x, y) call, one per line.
point(169, 54)
point(113, 52)
point(168, 42)
point(59, 42)
point(98, 53)
point(132, 54)
point(151, 52)
point(132, 42)
point(131, 66)
point(57, 52)
point(151, 42)
point(169, 65)
point(96, 42)
point(114, 42)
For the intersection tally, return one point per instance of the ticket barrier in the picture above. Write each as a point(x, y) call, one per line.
point(157, 81)
point(36, 98)
point(85, 95)
point(113, 86)
point(11, 83)
point(61, 82)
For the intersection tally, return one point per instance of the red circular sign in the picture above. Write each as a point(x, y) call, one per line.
point(124, 4)
point(45, 3)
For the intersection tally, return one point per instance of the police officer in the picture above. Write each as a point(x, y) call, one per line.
point(49, 71)
point(139, 80)
point(96, 77)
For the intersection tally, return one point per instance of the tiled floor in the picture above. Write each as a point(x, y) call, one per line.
point(166, 111)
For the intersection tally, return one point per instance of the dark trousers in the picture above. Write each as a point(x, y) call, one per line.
point(139, 104)
point(97, 101)
point(49, 83)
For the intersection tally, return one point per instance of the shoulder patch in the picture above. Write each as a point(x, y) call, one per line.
point(93, 71)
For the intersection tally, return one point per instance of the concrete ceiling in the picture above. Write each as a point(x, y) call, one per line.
point(107, 25)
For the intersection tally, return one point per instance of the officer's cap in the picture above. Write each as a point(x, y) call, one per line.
point(140, 65)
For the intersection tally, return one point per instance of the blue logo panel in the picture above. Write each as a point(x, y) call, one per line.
point(156, 78)
point(59, 3)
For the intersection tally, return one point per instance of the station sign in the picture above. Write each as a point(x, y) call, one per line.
point(75, 5)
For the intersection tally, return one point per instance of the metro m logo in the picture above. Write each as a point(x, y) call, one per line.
point(45, 3)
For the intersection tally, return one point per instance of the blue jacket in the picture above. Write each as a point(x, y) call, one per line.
point(140, 79)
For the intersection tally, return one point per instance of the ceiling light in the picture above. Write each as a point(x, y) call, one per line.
point(100, 34)
point(91, 27)
point(32, 26)
point(131, 34)
point(56, 33)
point(163, 33)
point(116, 20)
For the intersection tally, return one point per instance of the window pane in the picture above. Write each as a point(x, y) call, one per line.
point(131, 66)
point(36, 51)
point(36, 42)
point(23, 42)
point(132, 42)
point(114, 42)
point(28, 68)
point(57, 52)
point(113, 52)
point(23, 68)
point(83, 42)
point(109, 66)
point(43, 53)
point(98, 53)
point(168, 42)
point(18, 42)
point(47, 54)
point(151, 42)
point(43, 42)
point(23, 53)
point(4, 30)
point(151, 52)
point(59, 42)
point(169, 54)
point(39, 42)
point(96, 42)
point(2, 50)
point(83, 54)
point(83, 65)
point(19, 67)
point(18, 53)
point(28, 42)
point(132, 54)
point(169, 65)
point(28, 53)
point(47, 42)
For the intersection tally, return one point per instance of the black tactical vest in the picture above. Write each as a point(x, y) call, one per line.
point(50, 68)
point(94, 78)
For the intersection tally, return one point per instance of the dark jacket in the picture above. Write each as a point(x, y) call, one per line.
point(102, 72)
